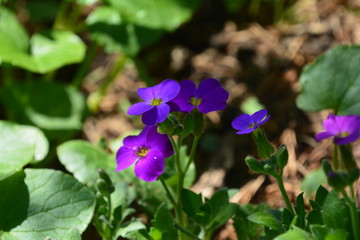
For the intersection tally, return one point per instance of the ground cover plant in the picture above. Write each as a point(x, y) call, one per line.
point(56, 183)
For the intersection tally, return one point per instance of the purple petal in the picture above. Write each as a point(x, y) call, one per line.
point(147, 94)
point(246, 131)
point(139, 108)
point(242, 122)
point(149, 117)
point(182, 101)
point(330, 125)
point(214, 100)
point(346, 140)
point(323, 135)
point(163, 112)
point(259, 115)
point(206, 86)
point(136, 141)
point(125, 157)
point(168, 90)
point(150, 167)
point(348, 124)
point(159, 142)
point(262, 122)
point(156, 115)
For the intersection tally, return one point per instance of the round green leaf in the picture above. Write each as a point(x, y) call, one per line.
point(108, 29)
point(48, 105)
point(56, 204)
point(295, 234)
point(83, 160)
point(50, 50)
point(332, 82)
point(157, 14)
point(20, 145)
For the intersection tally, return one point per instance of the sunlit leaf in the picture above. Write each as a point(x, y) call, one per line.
point(332, 81)
point(56, 203)
point(20, 145)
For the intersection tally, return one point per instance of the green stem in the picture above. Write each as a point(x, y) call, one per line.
point(63, 9)
point(354, 215)
point(336, 157)
point(118, 66)
point(283, 192)
point(178, 206)
point(167, 191)
point(80, 74)
point(192, 153)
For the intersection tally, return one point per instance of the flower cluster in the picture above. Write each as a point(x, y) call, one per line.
point(344, 129)
point(170, 96)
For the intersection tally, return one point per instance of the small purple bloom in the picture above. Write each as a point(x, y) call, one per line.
point(148, 150)
point(246, 123)
point(155, 109)
point(208, 97)
point(344, 129)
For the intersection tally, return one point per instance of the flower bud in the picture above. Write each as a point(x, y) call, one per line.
point(166, 127)
point(254, 164)
point(103, 175)
point(102, 187)
point(282, 156)
point(188, 125)
point(265, 149)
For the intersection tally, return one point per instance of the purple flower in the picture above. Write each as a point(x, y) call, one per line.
point(208, 97)
point(148, 150)
point(155, 108)
point(246, 123)
point(345, 129)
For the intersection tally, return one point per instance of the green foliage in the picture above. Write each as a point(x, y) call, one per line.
point(48, 204)
point(51, 106)
point(312, 181)
point(164, 224)
point(332, 82)
point(19, 146)
point(108, 29)
point(156, 14)
point(210, 214)
point(295, 234)
point(49, 50)
point(266, 219)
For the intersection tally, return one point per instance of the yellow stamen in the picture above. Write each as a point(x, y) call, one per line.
point(156, 102)
point(142, 152)
point(195, 101)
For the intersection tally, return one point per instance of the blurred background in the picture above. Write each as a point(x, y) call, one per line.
point(73, 67)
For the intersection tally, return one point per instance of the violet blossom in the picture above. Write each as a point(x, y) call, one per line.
point(155, 109)
point(246, 123)
point(148, 151)
point(344, 129)
point(208, 97)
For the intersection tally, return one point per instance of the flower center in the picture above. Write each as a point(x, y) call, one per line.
point(344, 134)
point(195, 101)
point(156, 102)
point(142, 152)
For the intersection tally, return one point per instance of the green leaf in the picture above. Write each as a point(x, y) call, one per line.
point(12, 32)
point(321, 195)
point(332, 82)
point(56, 204)
point(109, 30)
point(337, 234)
point(193, 202)
point(83, 160)
point(300, 210)
point(156, 14)
point(334, 211)
point(164, 222)
point(20, 145)
point(295, 234)
point(266, 219)
point(319, 231)
point(48, 105)
point(49, 50)
point(312, 181)
point(13, 212)
point(130, 227)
